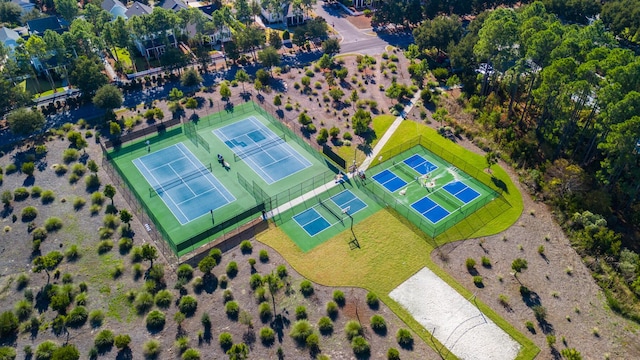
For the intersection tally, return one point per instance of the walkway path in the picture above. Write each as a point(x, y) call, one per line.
point(365, 164)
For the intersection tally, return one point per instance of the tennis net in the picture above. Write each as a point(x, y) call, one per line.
point(161, 188)
point(402, 167)
point(329, 210)
point(259, 148)
point(440, 195)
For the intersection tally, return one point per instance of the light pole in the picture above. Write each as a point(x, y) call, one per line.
point(212, 221)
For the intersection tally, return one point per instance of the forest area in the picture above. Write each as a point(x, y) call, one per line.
point(557, 95)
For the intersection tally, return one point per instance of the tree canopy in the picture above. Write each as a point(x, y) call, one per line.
point(108, 97)
point(25, 121)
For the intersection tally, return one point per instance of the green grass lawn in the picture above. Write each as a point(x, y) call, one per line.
point(380, 125)
point(393, 249)
point(42, 89)
point(123, 56)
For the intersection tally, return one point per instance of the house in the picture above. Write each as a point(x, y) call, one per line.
point(39, 26)
point(138, 9)
point(9, 38)
point(26, 5)
point(115, 8)
point(154, 47)
point(290, 15)
point(174, 5)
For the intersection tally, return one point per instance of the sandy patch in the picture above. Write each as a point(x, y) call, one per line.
point(453, 320)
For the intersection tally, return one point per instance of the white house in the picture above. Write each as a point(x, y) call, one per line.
point(9, 38)
point(115, 8)
point(289, 14)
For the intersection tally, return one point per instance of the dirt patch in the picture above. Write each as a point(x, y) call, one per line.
point(360, 21)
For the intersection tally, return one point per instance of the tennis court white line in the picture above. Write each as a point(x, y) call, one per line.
point(182, 179)
point(164, 192)
point(221, 135)
point(206, 177)
point(312, 220)
point(320, 216)
point(287, 148)
point(426, 211)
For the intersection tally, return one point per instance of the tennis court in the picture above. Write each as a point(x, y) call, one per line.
point(389, 180)
point(461, 191)
point(268, 154)
point(420, 164)
point(315, 219)
point(185, 185)
point(430, 209)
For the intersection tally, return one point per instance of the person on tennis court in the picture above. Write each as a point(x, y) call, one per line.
point(221, 159)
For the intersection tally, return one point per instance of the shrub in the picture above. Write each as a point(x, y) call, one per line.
point(53, 224)
point(151, 349)
point(306, 288)
point(81, 299)
point(404, 338)
point(378, 324)
point(227, 296)
point(372, 300)
point(264, 309)
point(155, 320)
point(486, 262)
point(122, 341)
point(232, 269)
point(7, 353)
point(104, 340)
point(540, 312)
point(48, 196)
point(92, 181)
point(29, 213)
point(232, 309)
point(185, 271)
point(226, 340)
point(191, 354)
point(216, 254)
point(393, 354)
point(10, 169)
point(97, 198)
point(143, 302)
point(281, 271)
point(39, 233)
point(352, 329)
point(20, 194)
point(332, 309)
point(529, 325)
point(70, 155)
point(105, 246)
point(36, 191)
point(78, 169)
point(125, 244)
point(325, 325)
point(301, 330)
point(301, 312)
point(338, 297)
point(77, 317)
point(182, 343)
point(22, 281)
point(267, 336)
point(264, 256)
point(78, 203)
point(313, 342)
point(45, 350)
point(23, 309)
point(255, 281)
point(60, 169)
point(360, 346)
point(470, 263)
point(96, 317)
point(163, 298)
point(246, 247)
point(224, 282)
point(477, 280)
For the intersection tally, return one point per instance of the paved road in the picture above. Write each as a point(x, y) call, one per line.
point(354, 40)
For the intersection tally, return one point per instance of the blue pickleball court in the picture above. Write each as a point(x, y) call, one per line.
point(389, 180)
point(311, 221)
point(461, 191)
point(430, 209)
point(420, 164)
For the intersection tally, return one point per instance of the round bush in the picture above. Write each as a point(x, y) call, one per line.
point(255, 281)
point(306, 288)
point(104, 340)
point(232, 269)
point(23, 309)
point(372, 300)
point(301, 312)
point(332, 309)
point(20, 194)
point(267, 336)
point(125, 244)
point(378, 324)
point(264, 256)
point(404, 338)
point(232, 309)
point(155, 320)
point(226, 340)
point(188, 305)
point(185, 271)
point(393, 354)
point(143, 302)
point(216, 254)
point(281, 270)
point(191, 354)
point(122, 341)
point(246, 247)
point(78, 316)
point(325, 325)
point(264, 309)
point(227, 296)
point(45, 350)
point(105, 246)
point(261, 295)
point(151, 349)
point(313, 342)
point(48, 196)
point(29, 213)
point(96, 317)
point(301, 330)
point(53, 224)
point(360, 346)
point(163, 298)
point(7, 353)
point(352, 329)
point(39, 233)
point(338, 297)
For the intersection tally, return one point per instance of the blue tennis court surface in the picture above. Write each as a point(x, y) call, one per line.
point(389, 180)
point(430, 209)
point(264, 151)
point(420, 164)
point(461, 191)
point(311, 221)
point(183, 183)
point(347, 199)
